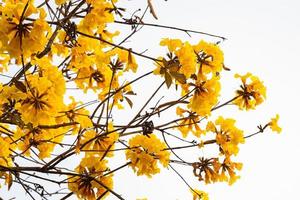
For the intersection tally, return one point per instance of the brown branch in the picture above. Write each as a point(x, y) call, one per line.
point(169, 27)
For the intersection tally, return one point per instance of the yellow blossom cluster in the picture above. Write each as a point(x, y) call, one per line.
point(77, 115)
point(228, 137)
point(18, 35)
point(196, 68)
point(96, 144)
point(189, 123)
point(221, 168)
point(42, 139)
point(213, 170)
point(144, 154)
point(251, 93)
point(90, 181)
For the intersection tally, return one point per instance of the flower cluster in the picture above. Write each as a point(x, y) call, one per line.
point(213, 170)
point(228, 137)
point(19, 35)
point(196, 69)
point(252, 92)
point(98, 144)
point(144, 154)
point(90, 182)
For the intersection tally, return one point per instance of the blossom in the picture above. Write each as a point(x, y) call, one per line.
point(252, 92)
point(205, 96)
point(183, 52)
point(189, 123)
point(228, 137)
point(199, 195)
point(126, 59)
point(41, 103)
point(44, 140)
point(206, 169)
point(172, 44)
point(144, 153)
point(209, 56)
point(76, 114)
point(228, 170)
point(89, 185)
point(95, 143)
point(4, 59)
point(98, 17)
point(274, 124)
point(19, 35)
point(187, 59)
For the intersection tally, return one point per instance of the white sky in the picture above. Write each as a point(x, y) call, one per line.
point(263, 38)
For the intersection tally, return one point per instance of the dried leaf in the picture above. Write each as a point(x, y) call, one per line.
point(173, 66)
point(129, 101)
point(152, 9)
point(130, 93)
point(162, 70)
point(130, 60)
point(9, 180)
point(165, 62)
point(168, 79)
point(20, 86)
point(179, 77)
point(77, 147)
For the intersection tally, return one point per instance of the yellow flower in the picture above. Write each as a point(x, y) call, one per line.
point(19, 36)
point(172, 44)
point(44, 140)
point(252, 92)
point(209, 56)
point(189, 123)
point(123, 94)
point(125, 58)
point(274, 124)
point(144, 153)
point(75, 113)
point(205, 96)
point(95, 78)
point(91, 66)
point(97, 19)
point(199, 195)
point(53, 74)
point(184, 55)
point(88, 185)
point(99, 145)
point(4, 59)
point(41, 103)
point(228, 137)
point(206, 169)
point(187, 59)
point(228, 171)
